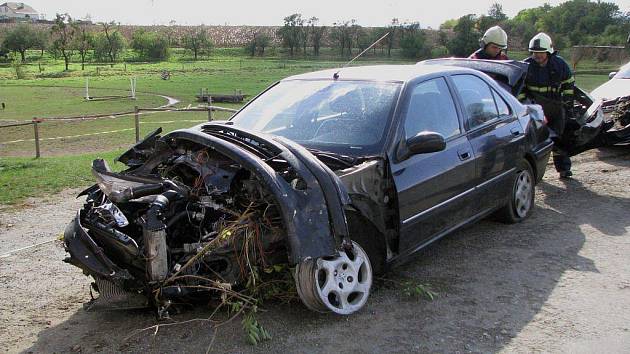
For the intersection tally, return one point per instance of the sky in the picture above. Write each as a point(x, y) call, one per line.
point(272, 12)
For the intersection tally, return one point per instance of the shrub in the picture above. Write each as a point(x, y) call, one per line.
point(150, 45)
point(439, 52)
point(19, 69)
point(109, 49)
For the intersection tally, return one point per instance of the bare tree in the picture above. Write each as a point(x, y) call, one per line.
point(83, 41)
point(317, 32)
point(394, 27)
point(305, 33)
point(257, 44)
point(197, 41)
point(340, 33)
point(42, 41)
point(63, 33)
point(115, 41)
point(171, 32)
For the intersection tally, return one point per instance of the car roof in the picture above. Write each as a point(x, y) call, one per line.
point(389, 73)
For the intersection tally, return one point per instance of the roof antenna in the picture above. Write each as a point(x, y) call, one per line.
point(336, 75)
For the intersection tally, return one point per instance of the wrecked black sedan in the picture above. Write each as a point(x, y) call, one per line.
point(338, 173)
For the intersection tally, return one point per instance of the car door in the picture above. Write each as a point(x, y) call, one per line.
point(434, 189)
point(494, 133)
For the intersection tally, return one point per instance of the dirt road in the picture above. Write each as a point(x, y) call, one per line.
point(559, 282)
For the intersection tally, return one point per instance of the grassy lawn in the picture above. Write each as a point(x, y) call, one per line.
point(54, 93)
point(26, 102)
point(590, 81)
point(62, 95)
point(21, 178)
point(59, 138)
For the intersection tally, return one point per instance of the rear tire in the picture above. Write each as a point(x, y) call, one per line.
point(521, 201)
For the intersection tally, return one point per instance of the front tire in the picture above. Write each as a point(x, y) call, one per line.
point(338, 284)
point(521, 201)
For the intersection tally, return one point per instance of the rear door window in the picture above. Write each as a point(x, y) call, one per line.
point(477, 99)
point(502, 106)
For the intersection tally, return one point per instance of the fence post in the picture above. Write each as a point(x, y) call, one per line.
point(36, 129)
point(137, 122)
point(209, 109)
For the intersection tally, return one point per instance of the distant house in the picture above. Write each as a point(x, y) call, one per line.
point(18, 10)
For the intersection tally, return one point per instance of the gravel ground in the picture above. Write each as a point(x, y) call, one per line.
point(558, 282)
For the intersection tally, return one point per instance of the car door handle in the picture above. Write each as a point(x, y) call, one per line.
point(515, 131)
point(464, 154)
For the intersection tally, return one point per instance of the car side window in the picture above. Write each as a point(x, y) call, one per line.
point(502, 106)
point(478, 100)
point(431, 108)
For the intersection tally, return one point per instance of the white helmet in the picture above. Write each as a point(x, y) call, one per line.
point(495, 35)
point(541, 43)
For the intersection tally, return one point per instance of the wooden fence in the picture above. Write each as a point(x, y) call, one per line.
point(37, 122)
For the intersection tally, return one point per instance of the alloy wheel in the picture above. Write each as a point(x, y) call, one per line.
point(338, 284)
point(523, 190)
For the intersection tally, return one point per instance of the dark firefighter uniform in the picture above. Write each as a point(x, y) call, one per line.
point(552, 86)
point(481, 54)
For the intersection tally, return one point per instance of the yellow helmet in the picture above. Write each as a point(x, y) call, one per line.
point(541, 43)
point(495, 35)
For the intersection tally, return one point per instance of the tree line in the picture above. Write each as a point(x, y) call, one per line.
point(299, 34)
point(68, 38)
point(575, 22)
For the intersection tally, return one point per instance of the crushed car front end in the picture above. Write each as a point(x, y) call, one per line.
point(200, 204)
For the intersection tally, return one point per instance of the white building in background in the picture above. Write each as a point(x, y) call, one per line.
point(18, 10)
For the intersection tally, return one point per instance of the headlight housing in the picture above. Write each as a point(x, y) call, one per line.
point(109, 182)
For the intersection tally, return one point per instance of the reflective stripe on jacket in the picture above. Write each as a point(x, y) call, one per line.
point(554, 80)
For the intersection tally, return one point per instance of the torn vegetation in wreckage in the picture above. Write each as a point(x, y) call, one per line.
point(206, 209)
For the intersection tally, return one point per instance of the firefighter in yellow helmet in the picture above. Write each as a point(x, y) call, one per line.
point(493, 44)
point(550, 83)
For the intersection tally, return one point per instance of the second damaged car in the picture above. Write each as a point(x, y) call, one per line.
point(336, 173)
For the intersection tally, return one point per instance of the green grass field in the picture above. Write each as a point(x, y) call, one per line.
point(68, 147)
point(58, 138)
point(29, 101)
point(21, 178)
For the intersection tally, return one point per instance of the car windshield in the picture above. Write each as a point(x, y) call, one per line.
point(344, 117)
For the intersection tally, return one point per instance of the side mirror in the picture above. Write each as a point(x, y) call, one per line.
point(425, 142)
point(611, 75)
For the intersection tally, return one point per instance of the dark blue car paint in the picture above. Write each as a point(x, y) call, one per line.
point(473, 176)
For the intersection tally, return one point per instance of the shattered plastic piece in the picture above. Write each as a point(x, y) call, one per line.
point(115, 213)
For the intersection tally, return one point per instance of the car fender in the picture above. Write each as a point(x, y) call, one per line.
point(314, 217)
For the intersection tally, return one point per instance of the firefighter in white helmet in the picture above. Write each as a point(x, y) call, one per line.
point(550, 83)
point(493, 44)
